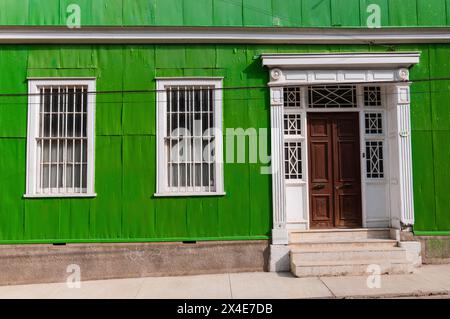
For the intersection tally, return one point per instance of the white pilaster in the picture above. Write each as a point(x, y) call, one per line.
point(279, 231)
point(405, 154)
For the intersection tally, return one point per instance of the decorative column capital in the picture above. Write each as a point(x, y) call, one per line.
point(276, 96)
point(403, 93)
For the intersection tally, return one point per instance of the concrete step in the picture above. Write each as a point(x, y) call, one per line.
point(344, 268)
point(348, 254)
point(338, 235)
point(345, 244)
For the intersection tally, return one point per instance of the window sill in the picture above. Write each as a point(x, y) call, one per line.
point(160, 195)
point(55, 196)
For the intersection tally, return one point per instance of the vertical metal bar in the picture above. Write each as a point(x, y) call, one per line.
point(42, 140)
point(186, 140)
point(201, 138)
point(65, 156)
point(193, 139)
point(81, 139)
point(50, 142)
point(57, 140)
point(209, 137)
point(73, 139)
point(168, 134)
point(178, 140)
point(213, 122)
point(186, 122)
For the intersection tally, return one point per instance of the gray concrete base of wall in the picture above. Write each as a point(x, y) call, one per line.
point(435, 249)
point(29, 264)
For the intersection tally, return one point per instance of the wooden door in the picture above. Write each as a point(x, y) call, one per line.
point(334, 170)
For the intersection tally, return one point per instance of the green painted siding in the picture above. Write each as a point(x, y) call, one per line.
point(125, 174)
point(248, 13)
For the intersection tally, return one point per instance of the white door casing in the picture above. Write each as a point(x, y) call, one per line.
point(388, 201)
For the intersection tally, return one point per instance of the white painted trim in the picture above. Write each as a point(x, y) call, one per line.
point(189, 78)
point(60, 196)
point(123, 35)
point(189, 194)
point(33, 127)
point(347, 60)
point(161, 109)
point(386, 70)
point(66, 78)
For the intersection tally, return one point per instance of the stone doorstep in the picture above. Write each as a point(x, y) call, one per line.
point(357, 247)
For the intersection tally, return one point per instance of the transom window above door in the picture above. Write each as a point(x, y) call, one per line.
point(61, 138)
point(332, 96)
point(189, 137)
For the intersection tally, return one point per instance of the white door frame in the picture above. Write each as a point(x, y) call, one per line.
point(384, 69)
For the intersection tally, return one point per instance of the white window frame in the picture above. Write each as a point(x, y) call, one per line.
point(161, 126)
point(33, 132)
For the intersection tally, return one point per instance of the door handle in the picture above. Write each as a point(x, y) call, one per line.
point(345, 185)
point(318, 187)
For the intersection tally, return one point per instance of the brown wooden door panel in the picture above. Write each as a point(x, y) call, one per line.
point(334, 168)
point(322, 205)
point(321, 172)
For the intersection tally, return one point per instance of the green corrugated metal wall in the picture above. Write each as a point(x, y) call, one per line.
point(284, 13)
point(125, 143)
point(125, 147)
point(124, 209)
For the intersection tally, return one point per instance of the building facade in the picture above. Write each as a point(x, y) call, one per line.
point(123, 121)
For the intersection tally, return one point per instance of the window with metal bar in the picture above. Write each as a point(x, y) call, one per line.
point(191, 117)
point(59, 118)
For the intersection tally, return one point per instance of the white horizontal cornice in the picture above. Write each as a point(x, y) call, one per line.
point(391, 60)
point(223, 35)
point(324, 68)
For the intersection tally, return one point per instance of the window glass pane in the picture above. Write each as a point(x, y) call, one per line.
point(374, 159)
point(374, 123)
point(332, 96)
point(62, 140)
point(292, 97)
point(292, 124)
point(293, 160)
point(190, 112)
point(372, 96)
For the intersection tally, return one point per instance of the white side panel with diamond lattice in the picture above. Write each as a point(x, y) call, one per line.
point(295, 157)
point(375, 160)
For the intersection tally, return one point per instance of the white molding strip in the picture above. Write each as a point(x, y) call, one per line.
point(340, 60)
point(321, 68)
point(223, 35)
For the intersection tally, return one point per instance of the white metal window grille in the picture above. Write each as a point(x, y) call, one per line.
point(374, 132)
point(191, 163)
point(372, 96)
point(374, 159)
point(292, 97)
point(374, 123)
point(60, 154)
point(292, 124)
point(293, 130)
point(293, 160)
point(332, 96)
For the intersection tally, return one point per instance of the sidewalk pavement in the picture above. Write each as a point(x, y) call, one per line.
point(433, 280)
